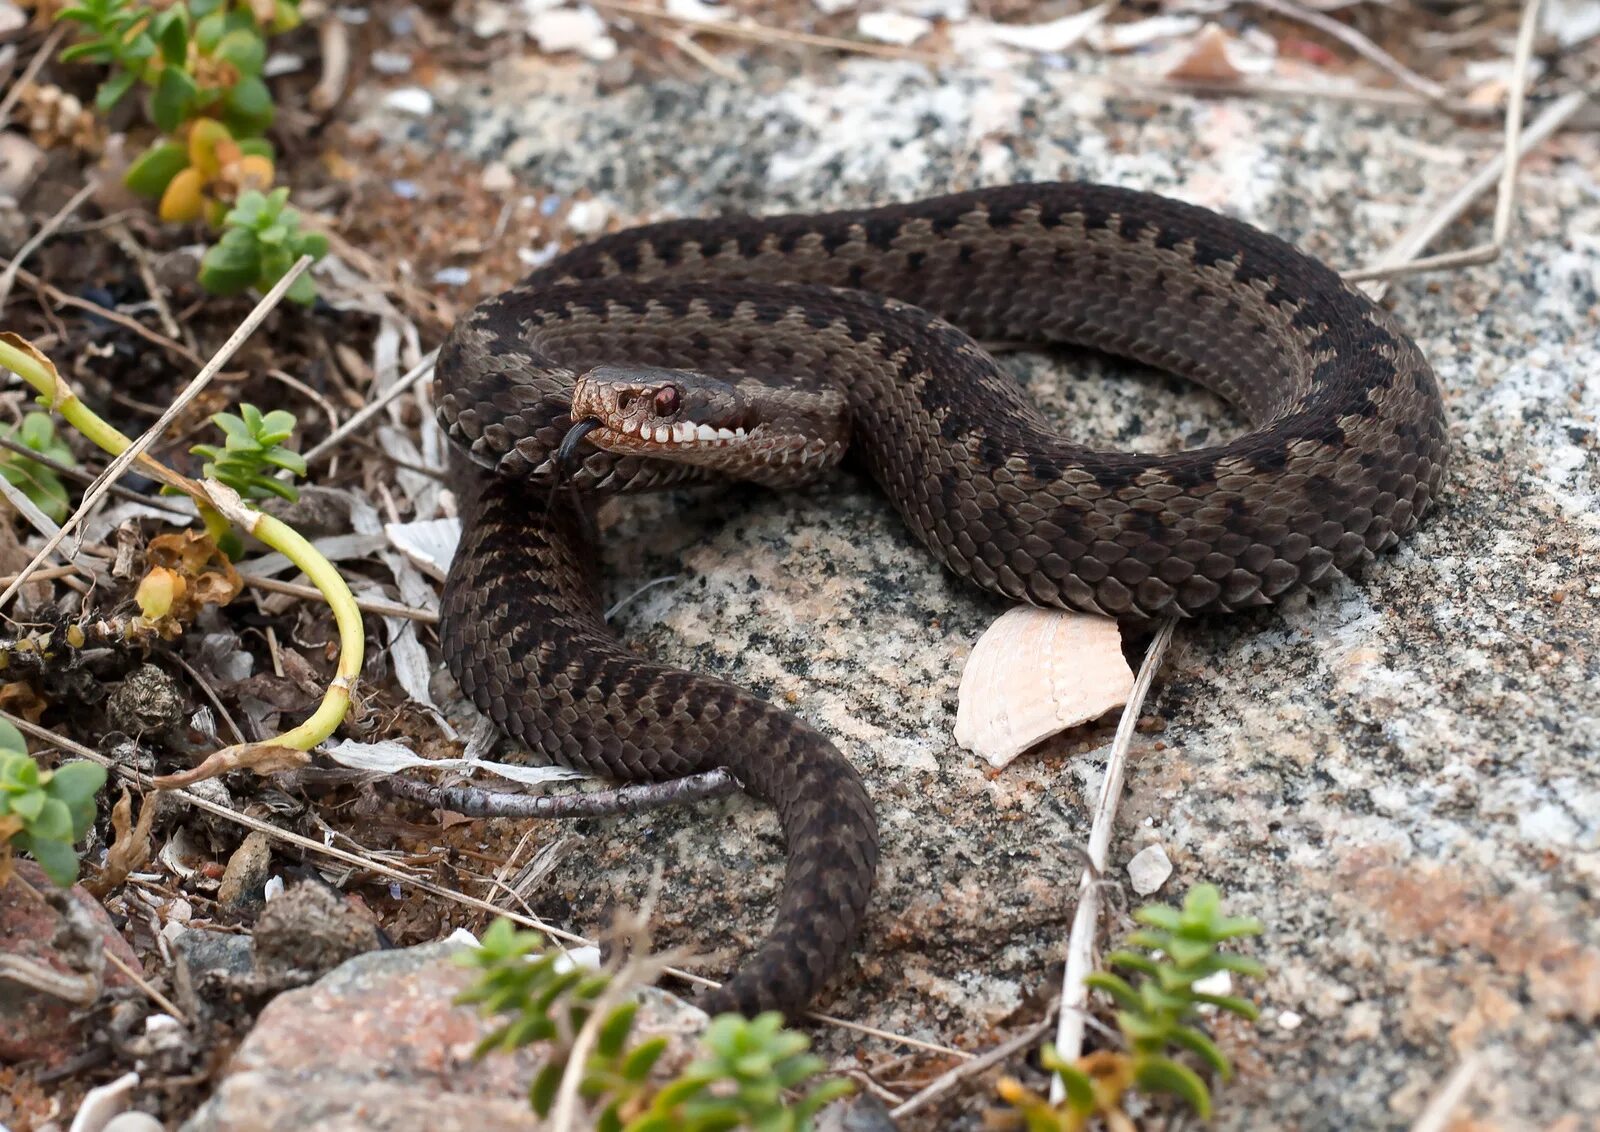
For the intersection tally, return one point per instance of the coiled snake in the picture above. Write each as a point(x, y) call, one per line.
point(765, 348)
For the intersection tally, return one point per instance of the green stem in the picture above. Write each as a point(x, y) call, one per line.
point(218, 511)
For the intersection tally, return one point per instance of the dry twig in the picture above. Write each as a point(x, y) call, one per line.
point(1080, 943)
point(121, 463)
point(9, 277)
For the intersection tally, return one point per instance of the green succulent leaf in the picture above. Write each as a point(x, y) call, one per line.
point(56, 858)
point(174, 93)
point(1163, 1075)
point(11, 742)
point(113, 89)
point(1243, 1007)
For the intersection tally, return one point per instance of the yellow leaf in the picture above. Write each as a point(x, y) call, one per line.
point(207, 141)
point(159, 591)
point(184, 198)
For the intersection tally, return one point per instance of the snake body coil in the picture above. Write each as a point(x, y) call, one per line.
point(861, 310)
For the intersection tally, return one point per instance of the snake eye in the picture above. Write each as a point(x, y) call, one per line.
point(667, 399)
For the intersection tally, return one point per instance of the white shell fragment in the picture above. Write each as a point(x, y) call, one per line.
point(429, 544)
point(1149, 869)
point(104, 1103)
point(1033, 674)
point(893, 27)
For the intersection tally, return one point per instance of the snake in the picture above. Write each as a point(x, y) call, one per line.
point(774, 348)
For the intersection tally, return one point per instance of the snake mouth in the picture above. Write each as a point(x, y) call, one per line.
point(643, 435)
point(644, 410)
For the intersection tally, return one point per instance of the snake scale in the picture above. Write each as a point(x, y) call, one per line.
point(768, 347)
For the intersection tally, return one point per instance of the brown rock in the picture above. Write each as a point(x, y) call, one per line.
point(312, 928)
point(380, 1043)
point(36, 1025)
point(246, 874)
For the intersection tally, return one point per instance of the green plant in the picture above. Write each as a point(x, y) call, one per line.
point(740, 1080)
point(39, 483)
point(222, 511)
point(252, 451)
point(199, 57)
point(1158, 1014)
point(749, 1065)
point(198, 178)
point(43, 812)
point(261, 241)
point(201, 63)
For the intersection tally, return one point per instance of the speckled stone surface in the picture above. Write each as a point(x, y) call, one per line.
point(1398, 775)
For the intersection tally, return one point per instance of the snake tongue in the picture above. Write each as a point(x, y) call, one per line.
point(570, 442)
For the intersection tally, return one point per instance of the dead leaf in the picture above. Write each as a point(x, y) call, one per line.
point(261, 758)
point(20, 698)
point(1206, 60)
point(130, 849)
point(187, 571)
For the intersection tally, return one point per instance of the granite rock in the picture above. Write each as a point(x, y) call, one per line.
point(380, 1042)
point(1396, 774)
point(35, 1025)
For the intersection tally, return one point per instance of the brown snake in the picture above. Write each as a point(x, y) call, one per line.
point(765, 347)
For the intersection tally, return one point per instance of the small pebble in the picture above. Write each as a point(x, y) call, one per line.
point(588, 217)
point(1289, 1020)
point(893, 27)
point(696, 10)
point(1220, 983)
point(1149, 869)
point(282, 63)
point(453, 276)
point(497, 177)
point(246, 874)
point(133, 1122)
point(405, 190)
point(538, 257)
point(410, 100)
point(20, 163)
point(391, 62)
point(491, 21)
point(572, 29)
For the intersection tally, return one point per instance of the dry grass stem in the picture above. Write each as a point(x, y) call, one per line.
point(948, 1080)
point(61, 298)
point(144, 986)
point(120, 464)
point(1359, 43)
point(46, 51)
point(421, 370)
point(1436, 1116)
point(1080, 943)
point(761, 33)
point(9, 277)
point(1507, 166)
point(372, 864)
point(1402, 258)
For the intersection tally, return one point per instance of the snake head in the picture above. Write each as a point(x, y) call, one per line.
point(779, 435)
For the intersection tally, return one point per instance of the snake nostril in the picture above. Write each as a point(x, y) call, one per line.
point(624, 399)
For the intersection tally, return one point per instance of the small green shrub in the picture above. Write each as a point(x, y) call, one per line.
point(203, 57)
point(741, 1080)
point(39, 483)
point(749, 1065)
point(261, 240)
point(42, 812)
point(1158, 1014)
point(200, 63)
point(252, 452)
